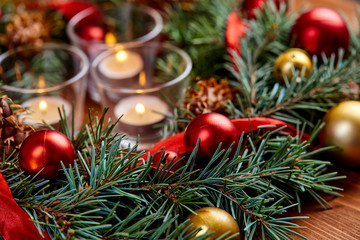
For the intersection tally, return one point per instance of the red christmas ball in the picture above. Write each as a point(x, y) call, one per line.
point(45, 149)
point(249, 6)
point(92, 33)
point(320, 30)
point(235, 30)
point(212, 129)
point(70, 8)
point(171, 158)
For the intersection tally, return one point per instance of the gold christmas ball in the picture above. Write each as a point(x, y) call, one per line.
point(342, 129)
point(293, 57)
point(212, 220)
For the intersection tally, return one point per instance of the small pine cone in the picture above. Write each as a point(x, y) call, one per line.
point(208, 96)
point(5, 110)
point(26, 27)
point(12, 131)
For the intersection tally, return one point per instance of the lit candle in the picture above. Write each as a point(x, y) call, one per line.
point(123, 64)
point(45, 109)
point(140, 113)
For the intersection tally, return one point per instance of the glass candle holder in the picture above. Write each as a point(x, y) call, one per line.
point(137, 84)
point(44, 79)
point(95, 31)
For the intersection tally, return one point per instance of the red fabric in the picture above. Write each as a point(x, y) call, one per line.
point(15, 223)
point(243, 125)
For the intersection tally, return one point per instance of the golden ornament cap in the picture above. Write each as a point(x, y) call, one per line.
point(292, 58)
point(213, 220)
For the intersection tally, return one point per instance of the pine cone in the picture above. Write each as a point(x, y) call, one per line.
point(12, 131)
point(208, 96)
point(26, 27)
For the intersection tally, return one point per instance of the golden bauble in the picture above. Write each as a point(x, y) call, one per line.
point(293, 57)
point(342, 129)
point(212, 219)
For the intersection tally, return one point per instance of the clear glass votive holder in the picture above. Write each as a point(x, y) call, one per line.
point(137, 84)
point(116, 23)
point(43, 79)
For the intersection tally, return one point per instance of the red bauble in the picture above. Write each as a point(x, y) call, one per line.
point(320, 30)
point(235, 30)
point(92, 33)
point(249, 6)
point(45, 149)
point(211, 129)
point(70, 8)
point(171, 158)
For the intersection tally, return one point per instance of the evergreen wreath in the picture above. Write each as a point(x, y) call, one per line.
point(113, 192)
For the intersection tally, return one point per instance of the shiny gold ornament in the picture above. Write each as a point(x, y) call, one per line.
point(342, 129)
point(293, 57)
point(212, 219)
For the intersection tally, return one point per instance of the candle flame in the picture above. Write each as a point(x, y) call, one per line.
point(41, 82)
point(121, 56)
point(110, 39)
point(142, 78)
point(42, 106)
point(140, 108)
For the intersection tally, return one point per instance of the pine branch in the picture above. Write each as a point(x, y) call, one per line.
point(108, 194)
point(111, 192)
point(200, 32)
point(299, 100)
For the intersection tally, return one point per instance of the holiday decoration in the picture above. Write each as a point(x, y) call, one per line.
point(342, 129)
point(44, 150)
point(92, 33)
point(13, 131)
point(208, 96)
point(115, 192)
point(293, 59)
point(213, 220)
point(13, 217)
point(168, 158)
point(320, 30)
point(70, 8)
point(250, 6)
point(235, 30)
point(212, 129)
point(27, 27)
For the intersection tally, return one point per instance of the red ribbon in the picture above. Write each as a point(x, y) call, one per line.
point(243, 125)
point(15, 223)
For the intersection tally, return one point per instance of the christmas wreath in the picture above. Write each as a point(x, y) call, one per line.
point(271, 95)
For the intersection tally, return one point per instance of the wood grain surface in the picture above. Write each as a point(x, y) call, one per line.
point(342, 221)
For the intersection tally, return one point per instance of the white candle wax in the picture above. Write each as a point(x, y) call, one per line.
point(45, 109)
point(141, 110)
point(123, 64)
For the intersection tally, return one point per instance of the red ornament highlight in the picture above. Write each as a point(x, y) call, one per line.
point(45, 149)
point(249, 6)
point(211, 129)
point(320, 30)
point(92, 33)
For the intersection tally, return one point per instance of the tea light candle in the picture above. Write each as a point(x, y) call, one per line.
point(123, 64)
point(45, 109)
point(140, 113)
